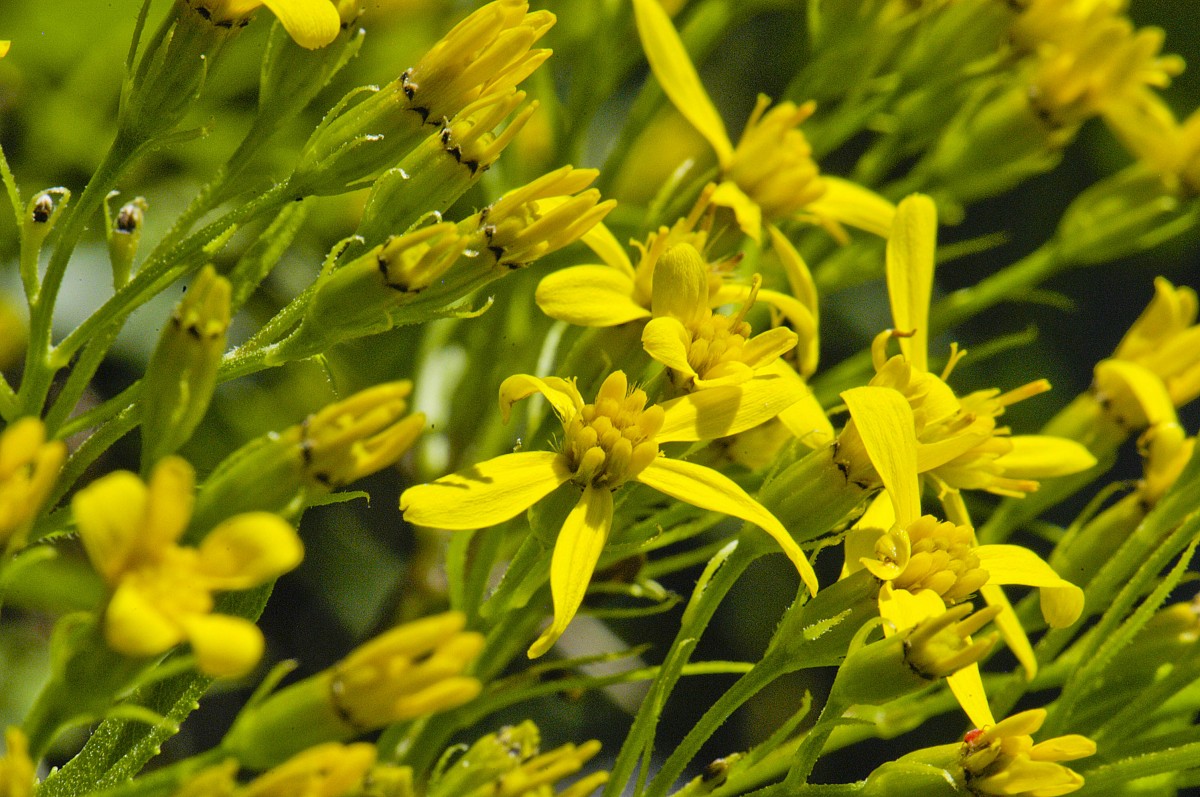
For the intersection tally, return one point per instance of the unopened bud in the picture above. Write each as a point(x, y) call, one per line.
point(182, 372)
point(124, 234)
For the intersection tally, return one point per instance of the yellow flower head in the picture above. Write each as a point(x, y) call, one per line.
point(702, 348)
point(924, 564)
point(605, 444)
point(1165, 341)
point(960, 444)
point(1165, 449)
point(770, 174)
point(311, 23)
point(17, 772)
point(1002, 758)
point(413, 670)
point(29, 467)
point(162, 592)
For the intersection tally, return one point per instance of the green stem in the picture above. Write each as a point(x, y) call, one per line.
point(710, 591)
point(1007, 284)
point(40, 366)
point(1105, 779)
point(814, 741)
point(746, 687)
point(168, 779)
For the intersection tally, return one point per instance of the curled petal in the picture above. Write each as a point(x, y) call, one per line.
point(708, 489)
point(578, 548)
point(485, 494)
point(770, 345)
point(863, 546)
point(666, 340)
point(1062, 601)
point(589, 296)
point(562, 394)
point(671, 65)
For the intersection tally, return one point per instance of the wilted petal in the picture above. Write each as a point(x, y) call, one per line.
point(589, 296)
point(578, 548)
point(708, 489)
point(485, 494)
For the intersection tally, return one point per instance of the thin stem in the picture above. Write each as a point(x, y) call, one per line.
point(1104, 779)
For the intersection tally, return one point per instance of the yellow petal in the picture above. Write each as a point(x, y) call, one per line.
point(670, 63)
point(486, 494)
point(601, 241)
point(967, 686)
point(862, 546)
point(807, 421)
point(800, 279)
point(135, 626)
point(310, 23)
point(249, 549)
point(885, 422)
point(225, 647)
point(802, 321)
point(727, 409)
point(1135, 393)
point(169, 503)
point(4, 45)
point(666, 340)
point(1041, 456)
point(747, 213)
point(1011, 628)
point(562, 394)
point(850, 203)
point(1062, 601)
point(680, 285)
point(708, 489)
point(910, 251)
point(589, 296)
point(108, 513)
point(578, 548)
point(1063, 748)
point(768, 347)
point(903, 609)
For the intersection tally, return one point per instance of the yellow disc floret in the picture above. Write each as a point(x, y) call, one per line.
point(611, 441)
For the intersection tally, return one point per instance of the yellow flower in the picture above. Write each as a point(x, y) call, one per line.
point(1002, 759)
point(311, 23)
point(925, 564)
point(961, 445)
point(701, 348)
point(4, 45)
point(770, 174)
point(29, 467)
point(17, 773)
point(162, 592)
point(605, 444)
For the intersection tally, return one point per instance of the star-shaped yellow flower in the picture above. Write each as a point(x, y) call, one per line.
point(605, 444)
point(925, 564)
point(770, 174)
point(162, 592)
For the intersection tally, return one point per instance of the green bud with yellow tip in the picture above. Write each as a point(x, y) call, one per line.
point(182, 372)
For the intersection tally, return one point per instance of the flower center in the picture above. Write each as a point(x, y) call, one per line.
point(717, 339)
point(942, 560)
point(611, 441)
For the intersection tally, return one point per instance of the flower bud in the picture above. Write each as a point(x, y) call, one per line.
point(414, 670)
point(341, 443)
point(124, 233)
point(914, 658)
point(182, 372)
